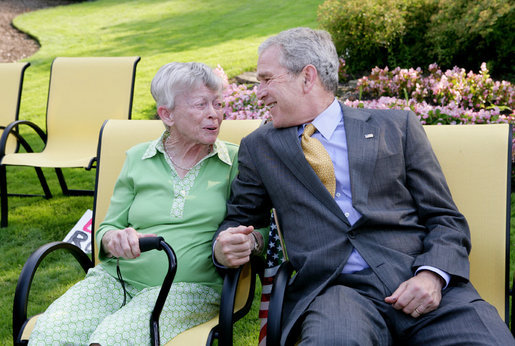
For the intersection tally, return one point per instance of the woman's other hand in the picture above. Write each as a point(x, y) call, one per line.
point(123, 243)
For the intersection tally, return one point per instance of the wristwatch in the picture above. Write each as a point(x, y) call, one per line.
point(255, 250)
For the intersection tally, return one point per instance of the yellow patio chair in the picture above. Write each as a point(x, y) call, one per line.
point(476, 161)
point(83, 92)
point(11, 85)
point(116, 137)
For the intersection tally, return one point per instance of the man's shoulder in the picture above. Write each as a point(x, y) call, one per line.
point(263, 131)
point(382, 116)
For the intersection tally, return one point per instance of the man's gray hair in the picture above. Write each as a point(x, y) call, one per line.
point(177, 77)
point(303, 46)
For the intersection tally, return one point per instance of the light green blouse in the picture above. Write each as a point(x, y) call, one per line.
point(150, 197)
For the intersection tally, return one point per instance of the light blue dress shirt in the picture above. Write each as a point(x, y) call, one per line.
point(331, 133)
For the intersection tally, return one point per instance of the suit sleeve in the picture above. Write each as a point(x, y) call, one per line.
point(447, 243)
point(248, 204)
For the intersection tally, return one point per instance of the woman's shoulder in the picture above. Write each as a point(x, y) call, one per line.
point(142, 150)
point(140, 147)
point(231, 147)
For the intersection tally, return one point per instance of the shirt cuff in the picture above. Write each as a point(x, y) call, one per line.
point(444, 275)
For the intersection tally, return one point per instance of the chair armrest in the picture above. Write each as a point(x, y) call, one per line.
point(227, 315)
point(12, 128)
point(275, 307)
point(28, 271)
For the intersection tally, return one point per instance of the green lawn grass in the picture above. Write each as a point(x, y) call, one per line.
point(216, 32)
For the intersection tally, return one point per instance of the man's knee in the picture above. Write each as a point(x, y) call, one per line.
point(336, 334)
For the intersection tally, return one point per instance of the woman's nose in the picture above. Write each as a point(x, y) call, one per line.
point(213, 111)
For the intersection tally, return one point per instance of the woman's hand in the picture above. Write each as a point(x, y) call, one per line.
point(234, 246)
point(123, 243)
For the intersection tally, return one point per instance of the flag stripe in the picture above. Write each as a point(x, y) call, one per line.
point(274, 257)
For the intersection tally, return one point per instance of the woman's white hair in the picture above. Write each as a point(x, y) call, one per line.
point(304, 46)
point(177, 77)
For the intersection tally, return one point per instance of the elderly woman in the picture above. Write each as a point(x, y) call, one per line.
point(175, 187)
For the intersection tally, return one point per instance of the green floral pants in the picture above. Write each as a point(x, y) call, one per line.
point(91, 312)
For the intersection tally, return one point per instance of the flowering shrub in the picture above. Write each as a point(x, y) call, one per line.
point(240, 101)
point(438, 115)
point(453, 97)
point(466, 90)
point(342, 70)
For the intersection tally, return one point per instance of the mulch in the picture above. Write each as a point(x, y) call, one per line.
point(15, 45)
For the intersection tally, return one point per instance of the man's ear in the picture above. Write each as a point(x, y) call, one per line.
point(165, 115)
point(309, 77)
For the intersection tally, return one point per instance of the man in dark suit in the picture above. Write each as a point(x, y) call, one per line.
point(379, 248)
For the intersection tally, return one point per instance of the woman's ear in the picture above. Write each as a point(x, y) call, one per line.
point(165, 115)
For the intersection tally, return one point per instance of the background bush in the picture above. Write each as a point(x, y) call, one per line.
point(406, 33)
point(464, 32)
point(363, 30)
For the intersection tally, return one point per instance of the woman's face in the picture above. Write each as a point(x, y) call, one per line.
point(197, 116)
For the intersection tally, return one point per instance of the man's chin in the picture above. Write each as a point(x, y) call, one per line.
point(276, 124)
point(278, 120)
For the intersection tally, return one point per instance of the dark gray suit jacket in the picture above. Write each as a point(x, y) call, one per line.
point(409, 218)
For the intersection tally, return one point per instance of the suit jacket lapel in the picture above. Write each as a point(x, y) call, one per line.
point(291, 153)
point(362, 144)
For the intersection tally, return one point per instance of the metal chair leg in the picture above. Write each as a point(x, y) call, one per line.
point(3, 197)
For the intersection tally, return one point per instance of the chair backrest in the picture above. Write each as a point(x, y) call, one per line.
point(11, 84)
point(83, 92)
point(476, 161)
point(117, 136)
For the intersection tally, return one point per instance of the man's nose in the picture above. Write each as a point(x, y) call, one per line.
point(261, 91)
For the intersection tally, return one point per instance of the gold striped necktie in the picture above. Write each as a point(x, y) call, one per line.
point(318, 158)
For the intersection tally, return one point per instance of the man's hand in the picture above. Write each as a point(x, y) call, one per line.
point(234, 246)
point(419, 295)
point(123, 243)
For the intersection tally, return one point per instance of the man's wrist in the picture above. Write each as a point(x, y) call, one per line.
point(444, 276)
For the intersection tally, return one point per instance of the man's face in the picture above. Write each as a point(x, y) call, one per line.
point(279, 89)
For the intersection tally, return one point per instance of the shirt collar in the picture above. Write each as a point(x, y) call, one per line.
point(219, 149)
point(327, 121)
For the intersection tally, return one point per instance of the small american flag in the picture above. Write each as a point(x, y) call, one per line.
point(274, 258)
